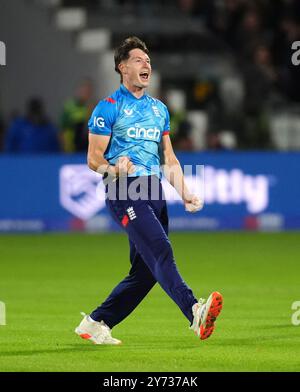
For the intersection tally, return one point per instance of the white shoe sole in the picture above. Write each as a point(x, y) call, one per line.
point(87, 336)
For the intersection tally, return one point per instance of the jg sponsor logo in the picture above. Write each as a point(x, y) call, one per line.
point(2, 53)
point(99, 122)
point(296, 315)
point(2, 313)
point(296, 54)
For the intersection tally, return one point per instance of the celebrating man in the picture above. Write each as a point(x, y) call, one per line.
point(127, 131)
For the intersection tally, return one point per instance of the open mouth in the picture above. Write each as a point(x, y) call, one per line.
point(144, 76)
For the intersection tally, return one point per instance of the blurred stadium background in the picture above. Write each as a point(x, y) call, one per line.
point(224, 68)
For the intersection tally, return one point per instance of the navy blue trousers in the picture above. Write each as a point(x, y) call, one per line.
point(146, 223)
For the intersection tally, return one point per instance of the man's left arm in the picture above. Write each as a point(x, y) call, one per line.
point(174, 174)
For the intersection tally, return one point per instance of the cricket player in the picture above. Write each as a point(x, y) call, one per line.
point(128, 133)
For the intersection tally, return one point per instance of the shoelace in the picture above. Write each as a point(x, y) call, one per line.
point(105, 330)
point(201, 301)
point(104, 334)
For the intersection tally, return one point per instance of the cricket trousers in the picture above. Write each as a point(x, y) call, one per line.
point(137, 204)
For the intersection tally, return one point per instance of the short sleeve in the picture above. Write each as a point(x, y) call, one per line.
point(103, 118)
point(166, 130)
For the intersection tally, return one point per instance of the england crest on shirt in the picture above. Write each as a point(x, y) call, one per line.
point(156, 111)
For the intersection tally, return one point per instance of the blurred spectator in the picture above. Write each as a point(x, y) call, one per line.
point(224, 18)
point(261, 87)
point(250, 33)
point(183, 140)
point(186, 6)
point(32, 133)
point(213, 141)
point(75, 116)
point(262, 58)
point(260, 79)
point(224, 140)
point(79, 3)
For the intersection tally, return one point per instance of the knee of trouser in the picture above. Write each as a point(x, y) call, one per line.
point(142, 273)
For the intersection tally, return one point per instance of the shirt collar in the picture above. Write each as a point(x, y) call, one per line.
point(126, 92)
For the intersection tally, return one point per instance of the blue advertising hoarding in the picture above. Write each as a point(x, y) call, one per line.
point(242, 191)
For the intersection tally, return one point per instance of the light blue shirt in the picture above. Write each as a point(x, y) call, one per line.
point(136, 126)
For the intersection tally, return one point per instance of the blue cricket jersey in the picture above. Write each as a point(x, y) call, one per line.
point(135, 125)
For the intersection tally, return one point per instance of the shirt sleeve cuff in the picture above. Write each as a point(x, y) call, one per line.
point(102, 132)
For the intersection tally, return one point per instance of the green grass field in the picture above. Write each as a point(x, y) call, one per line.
point(46, 280)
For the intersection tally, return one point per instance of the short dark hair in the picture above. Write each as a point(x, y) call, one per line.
point(122, 51)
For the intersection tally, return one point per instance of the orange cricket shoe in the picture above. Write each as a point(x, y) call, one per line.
point(205, 315)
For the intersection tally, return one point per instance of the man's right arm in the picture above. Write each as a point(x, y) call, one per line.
point(100, 130)
point(95, 158)
point(96, 161)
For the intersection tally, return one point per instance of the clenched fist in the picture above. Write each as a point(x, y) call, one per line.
point(124, 167)
point(193, 203)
